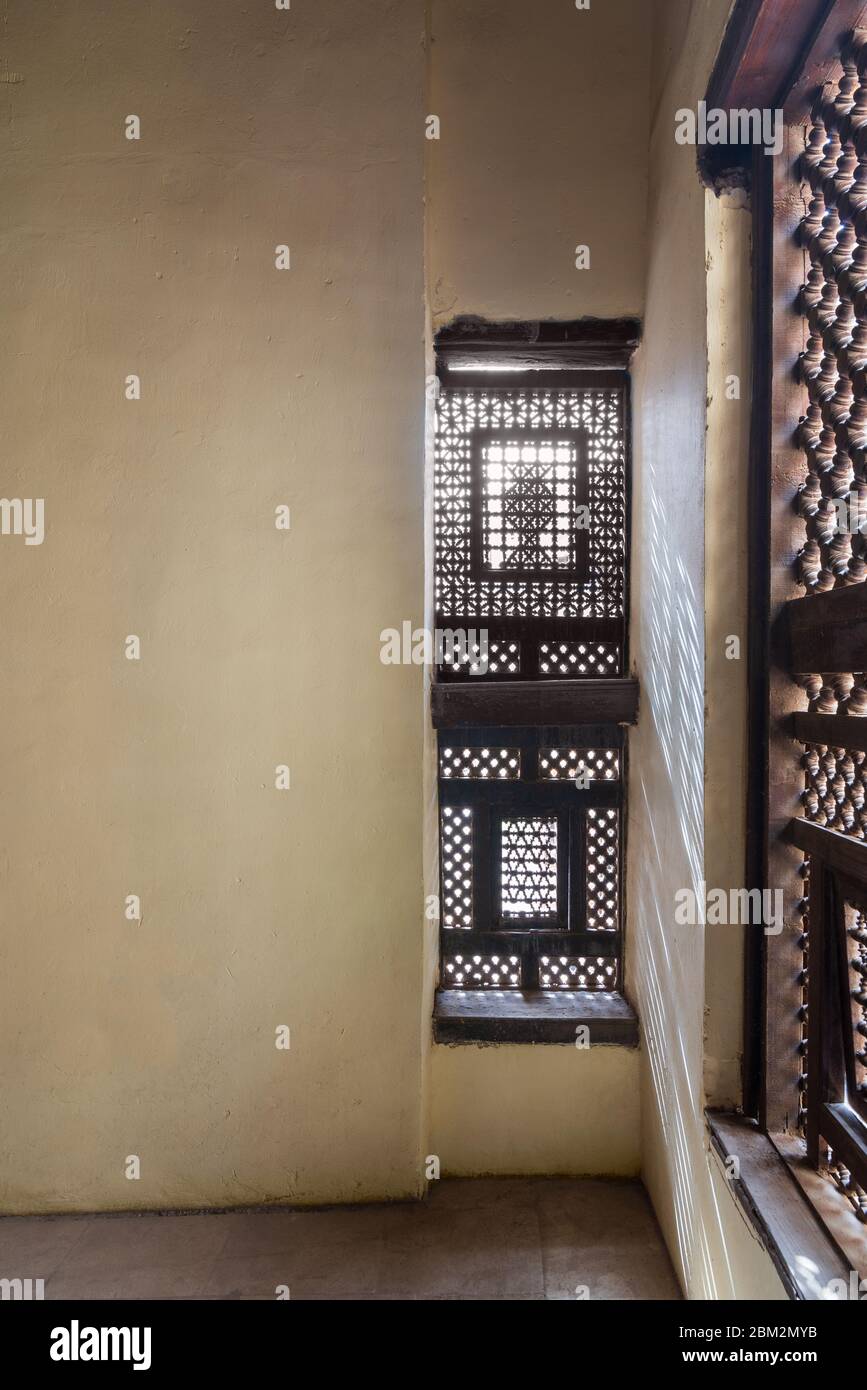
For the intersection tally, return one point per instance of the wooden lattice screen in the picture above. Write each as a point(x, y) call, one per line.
point(514, 467)
point(530, 507)
point(815, 263)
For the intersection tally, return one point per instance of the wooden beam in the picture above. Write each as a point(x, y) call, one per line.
point(459, 703)
point(832, 730)
point(764, 44)
point(841, 852)
point(774, 54)
point(539, 343)
point(828, 632)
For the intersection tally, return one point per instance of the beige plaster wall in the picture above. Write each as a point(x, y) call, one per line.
point(535, 1110)
point(260, 647)
point(534, 157)
point(543, 141)
point(679, 586)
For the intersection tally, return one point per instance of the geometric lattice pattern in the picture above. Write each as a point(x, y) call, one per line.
point(835, 789)
point(456, 852)
point(577, 972)
point(832, 499)
point(579, 659)
point(833, 434)
point(529, 866)
point(856, 931)
point(841, 693)
point(597, 413)
point(480, 762)
point(603, 860)
point(481, 972)
point(529, 499)
point(530, 561)
point(594, 764)
point(502, 658)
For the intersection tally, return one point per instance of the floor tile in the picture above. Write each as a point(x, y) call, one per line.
point(472, 1239)
point(457, 1253)
point(177, 1280)
point(116, 1243)
point(32, 1247)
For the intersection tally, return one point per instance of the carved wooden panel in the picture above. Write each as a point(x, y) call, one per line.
point(822, 627)
point(530, 515)
point(530, 495)
point(531, 857)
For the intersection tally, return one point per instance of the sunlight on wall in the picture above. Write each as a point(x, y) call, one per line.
point(715, 1254)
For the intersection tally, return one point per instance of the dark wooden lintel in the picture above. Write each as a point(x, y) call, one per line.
point(479, 703)
point(550, 343)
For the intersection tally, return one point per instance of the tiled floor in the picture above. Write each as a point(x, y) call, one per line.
point(472, 1239)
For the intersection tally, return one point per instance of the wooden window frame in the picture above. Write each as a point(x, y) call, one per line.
point(774, 55)
point(575, 573)
point(534, 711)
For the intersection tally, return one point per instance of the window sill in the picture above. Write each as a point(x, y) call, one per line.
point(804, 1256)
point(546, 1016)
point(594, 700)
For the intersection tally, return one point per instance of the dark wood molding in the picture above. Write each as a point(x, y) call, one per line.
point(827, 632)
point(772, 57)
point(531, 703)
point(544, 1016)
point(817, 65)
point(832, 730)
point(543, 343)
point(803, 1255)
point(758, 589)
point(763, 49)
point(842, 853)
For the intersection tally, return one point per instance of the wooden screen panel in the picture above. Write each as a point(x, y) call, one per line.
point(532, 548)
point(531, 857)
point(529, 496)
point(816, 320)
